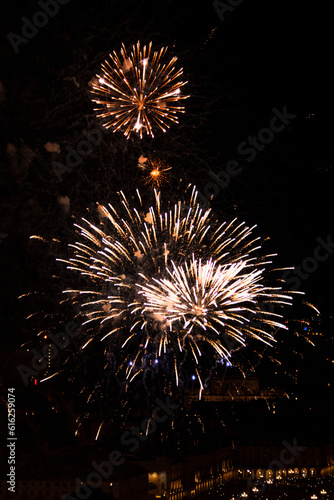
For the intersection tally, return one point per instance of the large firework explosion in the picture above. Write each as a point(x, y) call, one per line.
point(139, 91)
point(170, 284)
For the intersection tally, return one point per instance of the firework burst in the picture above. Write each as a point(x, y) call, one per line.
point(139, 91)
point(155, 172)
point(172, 283)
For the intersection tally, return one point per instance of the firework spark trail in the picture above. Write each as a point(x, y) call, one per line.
point(139, 91)
point(172, 282)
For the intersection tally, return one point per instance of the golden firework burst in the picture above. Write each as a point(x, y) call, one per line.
point(172, 281)
point(155, 172)
point(139, 91)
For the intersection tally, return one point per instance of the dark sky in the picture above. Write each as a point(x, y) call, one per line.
point(262, 55)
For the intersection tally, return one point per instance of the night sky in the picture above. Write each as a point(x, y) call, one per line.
point(262, 56)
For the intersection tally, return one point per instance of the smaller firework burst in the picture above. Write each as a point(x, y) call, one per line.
point(139, 91)
point(155, 172)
